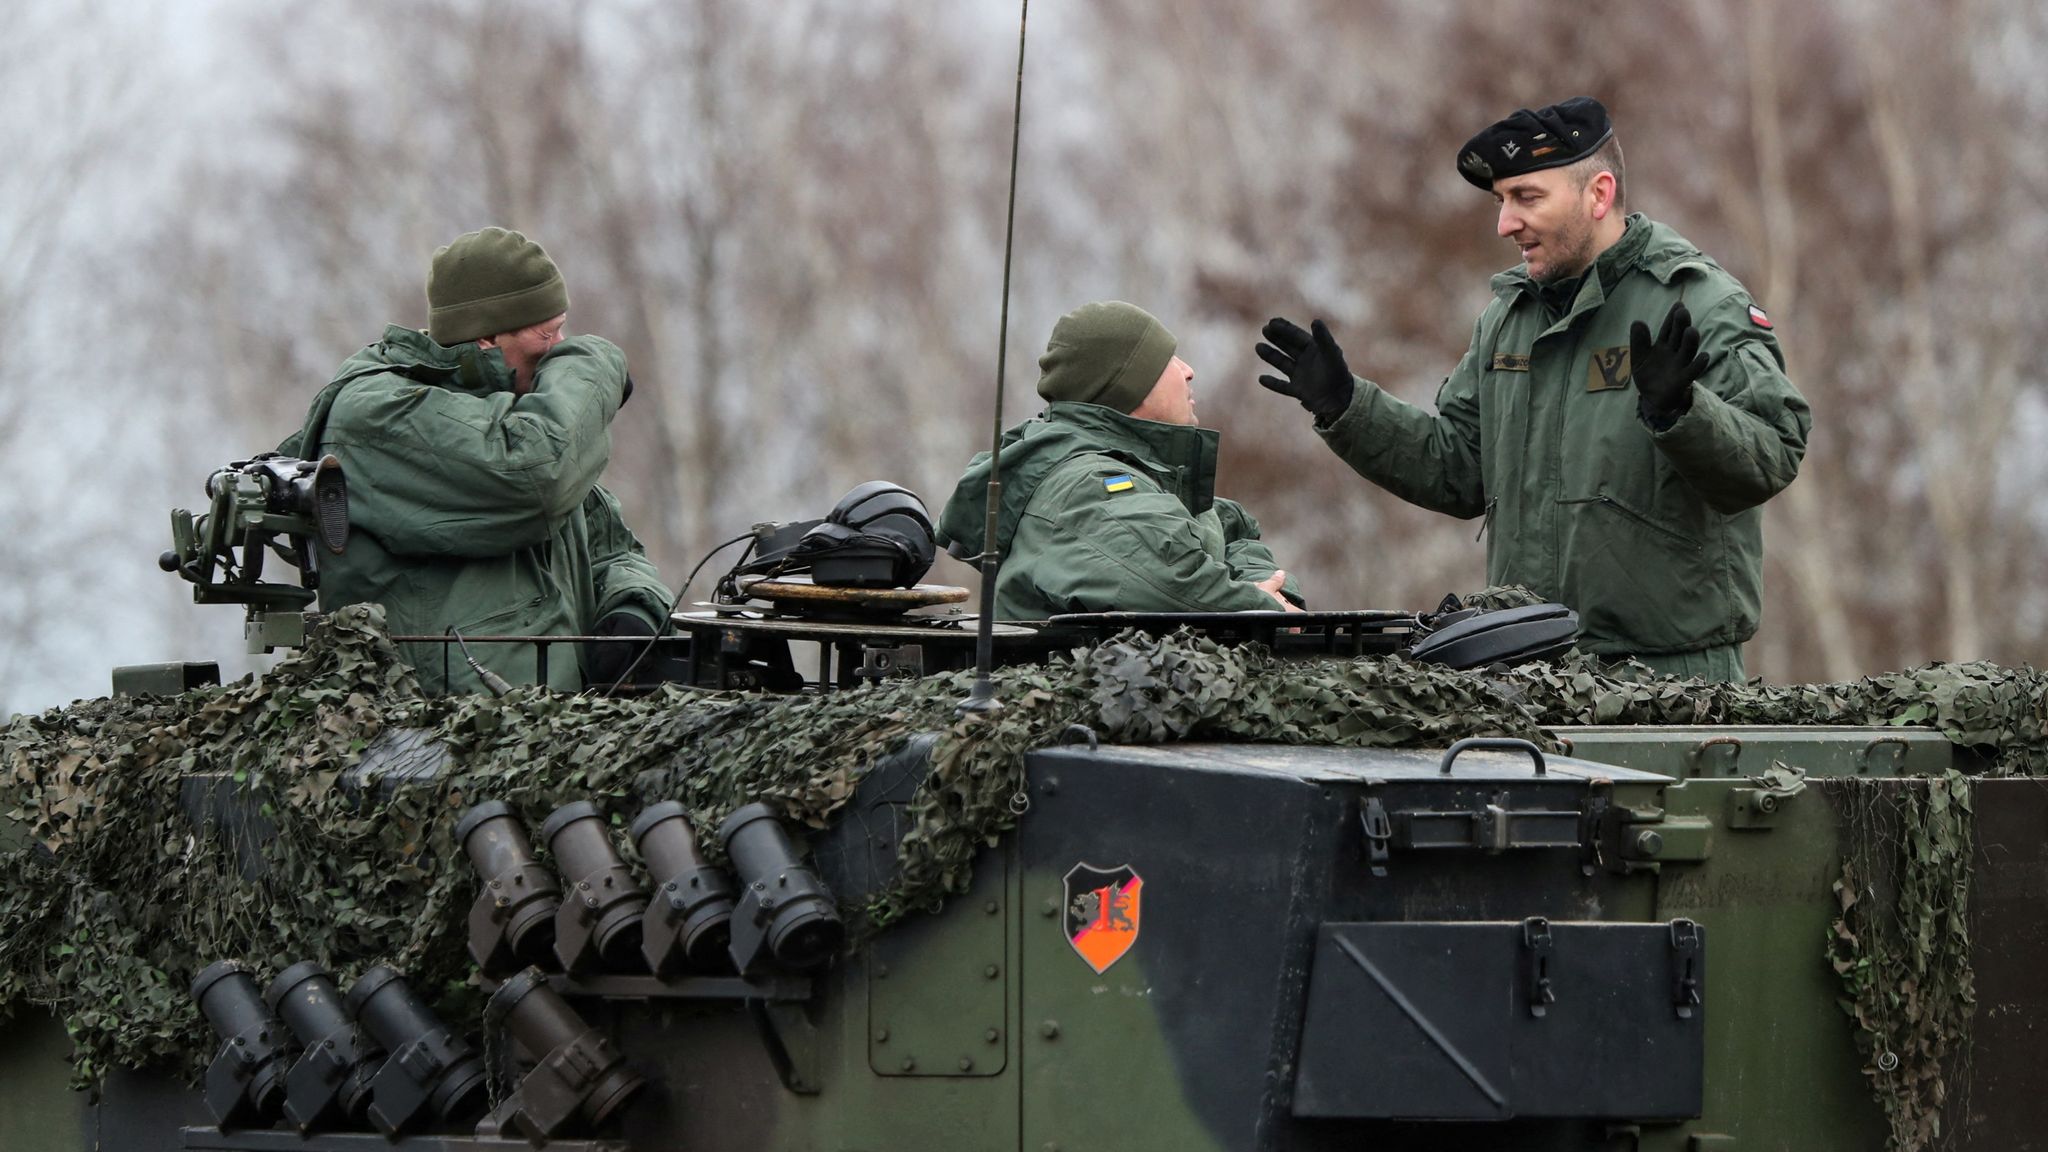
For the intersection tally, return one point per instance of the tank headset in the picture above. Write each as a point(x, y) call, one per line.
point(887, 519)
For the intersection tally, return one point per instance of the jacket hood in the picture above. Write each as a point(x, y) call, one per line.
point(1179, 458)
point(411, 353)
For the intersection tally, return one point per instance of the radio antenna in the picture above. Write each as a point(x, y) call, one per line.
point(982, 697)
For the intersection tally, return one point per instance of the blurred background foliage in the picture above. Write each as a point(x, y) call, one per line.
point(790, 215)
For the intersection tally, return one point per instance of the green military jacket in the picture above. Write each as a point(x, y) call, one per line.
point(1654, 538)
point(1103, 512)
point(474, 508)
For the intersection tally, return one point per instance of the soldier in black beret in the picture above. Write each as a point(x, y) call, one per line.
point(1552, 137)
point(1619, 471)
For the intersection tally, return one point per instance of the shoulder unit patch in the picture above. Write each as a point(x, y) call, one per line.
point(1757, 317)
point(1118, 483)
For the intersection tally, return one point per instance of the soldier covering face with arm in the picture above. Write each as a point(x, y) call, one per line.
point(1620, 415)
point(1108, 499)
point(473, 451)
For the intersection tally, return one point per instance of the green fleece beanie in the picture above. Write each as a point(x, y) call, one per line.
point(491, 281)
point(1109, 353)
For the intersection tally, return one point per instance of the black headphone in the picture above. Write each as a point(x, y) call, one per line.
point(878, 535)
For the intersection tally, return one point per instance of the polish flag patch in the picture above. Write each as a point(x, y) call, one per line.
point(1757, 317)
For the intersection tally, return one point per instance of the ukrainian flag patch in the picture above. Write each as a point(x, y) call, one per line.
point(1120, 483)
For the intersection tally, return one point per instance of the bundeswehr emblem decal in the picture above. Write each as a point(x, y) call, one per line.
point(1102, 913)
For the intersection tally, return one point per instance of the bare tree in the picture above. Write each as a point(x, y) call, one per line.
point(62, 170)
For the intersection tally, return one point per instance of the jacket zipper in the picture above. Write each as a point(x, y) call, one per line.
point(1629, 513)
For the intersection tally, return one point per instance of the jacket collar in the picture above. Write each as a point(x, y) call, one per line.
point(1643, 243)
point(1180, 458)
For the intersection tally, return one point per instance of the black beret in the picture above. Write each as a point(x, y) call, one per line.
point(1530, 141)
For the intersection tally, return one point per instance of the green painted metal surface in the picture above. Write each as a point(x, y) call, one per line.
point(982, 1028)
point(1717, 751)
point(938, 988)
point(1782, 1069)
point(164, 679)
point(41, 1113)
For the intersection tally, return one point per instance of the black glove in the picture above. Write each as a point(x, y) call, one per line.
point(628, 393)
point(1313, 365)
point(1665, 369)
point(604, 662)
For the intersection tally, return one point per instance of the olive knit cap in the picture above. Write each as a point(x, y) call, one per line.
point(1110, 353)
point(490, 281)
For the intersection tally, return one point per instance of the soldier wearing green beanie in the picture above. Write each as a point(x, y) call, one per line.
point(1108, 498)
point(473, 450)
point(491, 281)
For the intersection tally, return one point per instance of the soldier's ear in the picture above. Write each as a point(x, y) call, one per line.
point(1602, 188)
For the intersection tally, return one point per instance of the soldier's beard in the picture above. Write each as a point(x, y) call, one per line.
point(1571, 252)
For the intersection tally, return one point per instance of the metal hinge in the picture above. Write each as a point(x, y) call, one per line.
point(1592, 826)
point(1685, 955)
point(1379, 833)
point(1622, 846)
point(1536, 941)
point(1759, 806)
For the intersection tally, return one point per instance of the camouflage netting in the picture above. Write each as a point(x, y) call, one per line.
point(117, 899)
point(1901, 942)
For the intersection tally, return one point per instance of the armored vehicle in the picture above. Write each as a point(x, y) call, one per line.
point(1292, 882)
point(1236, 882)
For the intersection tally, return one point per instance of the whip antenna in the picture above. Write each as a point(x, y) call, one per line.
point(982, 698)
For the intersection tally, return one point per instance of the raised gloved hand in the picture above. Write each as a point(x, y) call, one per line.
point(1312, 364)
point(604, 662)
point(1665, 368)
